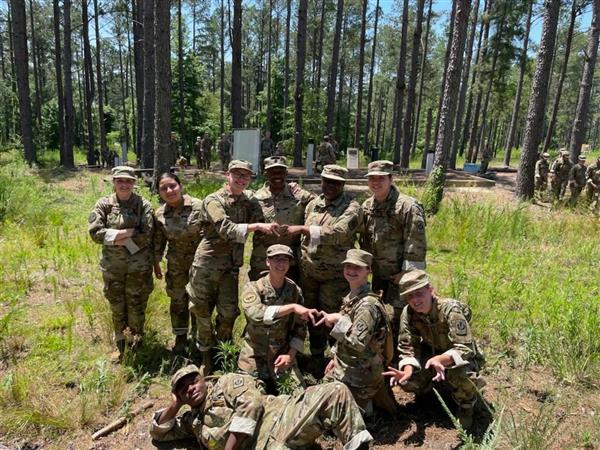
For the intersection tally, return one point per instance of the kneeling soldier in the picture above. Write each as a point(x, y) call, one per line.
point(435, 344)
point(234, 412)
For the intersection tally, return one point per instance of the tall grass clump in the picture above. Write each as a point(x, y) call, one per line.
point(531, 281)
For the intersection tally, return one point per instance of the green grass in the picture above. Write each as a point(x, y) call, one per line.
point(530, 279)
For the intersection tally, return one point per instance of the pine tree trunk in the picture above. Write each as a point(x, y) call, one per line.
point(456, 133)
point(123, 93)
point(222, 71)
point(59, 82)
point(21, 64)
point(426, 148)
point(67, 160)
point(415, 133)
point(269, 50)
point(435, 184)
point(400, 85)
point(412, 84)
point(299, 95)
point(320, 56)
point(361, 70)
point(149, 87)
point(585, 87)
point(286, 74)
point(366, 142)
point(537, 102)
point(512, 131)
point(237, 117)
point(561, 79)
point(138, 62)
point(36, 64)
point(163, 156)
point(182, 133)
point(99, 79)
point(335, 56)
point(6, 110)
point(88, 82)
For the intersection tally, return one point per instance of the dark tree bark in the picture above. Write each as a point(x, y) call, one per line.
point(512, 130)
point(163, 156)
point(286, 74)
point(320, 55)
point(123, 93)
point(412, 85)
point(435, 187)
point(236, 66)
point(299, 95)
point(335, 56)
point(269, 50)
point(366, 142)
point(182, 133)
point(36, 65)
point(585, 87)
point(415, 133)
point(149, 87)
point(22, 73)
point(400, 84)
point(537, 102)
point(340, 98)
point(138, 62)
point(99, 78)
point(59, 81)
point(428, 125)
point(222, 72)
point(456, 134)
point(361, 70)
point(561, 78)
point(67, 160)
point(88, 82)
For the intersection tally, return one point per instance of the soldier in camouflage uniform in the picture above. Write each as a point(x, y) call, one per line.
point(330, 226)
point(225, 151)
point(592, 187)
point(233, 411)
point(361, 330)
point(266, 149)
point(559, 174)
point(175, 225)
point(207, 145)
point(199, 153)
point(228, 215)
point(542, 168)
point(577, 179)
point(393, 231)
point(124, 224)
point(275, 322)
point(325, 154)
point(436, 345)
point(283, 203)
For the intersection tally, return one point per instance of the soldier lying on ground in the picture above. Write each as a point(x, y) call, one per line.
point(234, 412)
point(436, 345)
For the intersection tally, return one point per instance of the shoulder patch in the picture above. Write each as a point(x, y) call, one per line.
point(238, 382)
point(92, 217)
point(361, 326)
point(420, 225)
point(461, 327)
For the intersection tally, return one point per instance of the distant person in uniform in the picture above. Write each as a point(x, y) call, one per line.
point(198, 152)
point(577, 179)
point(225, 151)
point(542, 169)
point(207, 145)
point(559, 174)
point(325, 154)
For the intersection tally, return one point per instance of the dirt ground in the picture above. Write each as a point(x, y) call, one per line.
point(523, 398)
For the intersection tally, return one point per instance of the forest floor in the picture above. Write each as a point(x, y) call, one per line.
point(534, 297)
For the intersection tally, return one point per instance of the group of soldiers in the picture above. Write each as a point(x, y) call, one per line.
point(562, 173)
point(306, 279)
point(327, 152)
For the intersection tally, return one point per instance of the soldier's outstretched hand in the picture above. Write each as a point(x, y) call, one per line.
point(269, 228)
point(328, 319)
point(283, 362)
point(399, 376)
point(307, 314)
point(439, 368)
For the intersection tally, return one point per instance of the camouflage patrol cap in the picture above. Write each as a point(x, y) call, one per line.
point(381, 167)
point(581, 157)
point(275, 161)
point(279, 249)
point(563, 152)
point(181, 373)
point(358, 258)
point(412, 281)
point(240, 164)
point(334, 172)
point(123, 172)
point(546, 155)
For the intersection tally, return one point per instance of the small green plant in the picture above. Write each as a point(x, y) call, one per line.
point(227, 356)
point(286, 383)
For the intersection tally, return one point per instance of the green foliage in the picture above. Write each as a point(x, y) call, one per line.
point(434, 191)
point(227, 356)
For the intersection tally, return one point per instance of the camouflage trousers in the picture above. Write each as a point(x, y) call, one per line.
point(128, 295)
point(558, 188)
point(177, 279)
point(541, 184)
point(575, 192)
point(296, 422)
point(325, 296)
point(211, 287)
point(463, 382)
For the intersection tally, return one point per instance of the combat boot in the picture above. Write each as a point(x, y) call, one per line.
point(180, 344)
point(465, 416)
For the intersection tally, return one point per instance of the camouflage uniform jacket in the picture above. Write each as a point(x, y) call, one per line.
point(577, 175)
point(326, 154)
point(181, 229)
point(542, 168)
point(561, 169)
point(593, 174)
point(266, 337)
point(225, 220)
point(224, 147)
point(286, 207)
point(206, 144)
point(110, 215)
point(333, 226)
point(394, 233)
point(444, 330)
point(360, 336)
point(266, 148)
